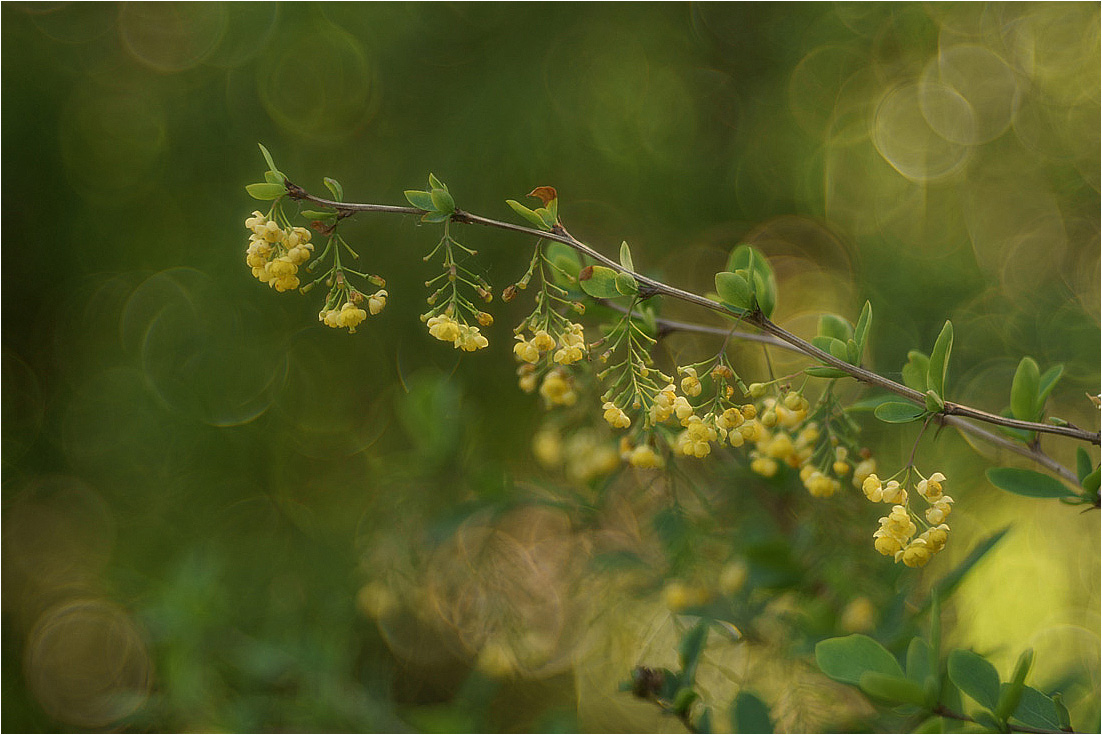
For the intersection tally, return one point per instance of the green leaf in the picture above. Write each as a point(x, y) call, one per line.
point(335, 188)
point(934, 404)
point(435, 217)
point(897, 412)
point(832, 325)
point(274, 177)
point(975, 676)
point(846, 659)
point(1090, 484)
point(692, 645)
point(1049, 379)
point(1024, 390)
point(435, 183)
point(420, 199)
point(626, 284)
point(951, 580)
point(734, 290)
point(1036, 710)
point(599, 282)
point(741, 258)
point(935, 632)
point(625, 256)
point(1028, 483)
point(839, 350)
point(749, 713)
point(1011, 693)
point(918, 660)
point(914, 372)
point(553, 208)
point(546, 216)
point(267, 157)
point(266, 191)
point(853, 354)
point(442, 201)
point(987, 720)
point(765, 288)
point(861, 331)
point(527, 214)
point(892, 688)
point(1083, 465)
point(317, 214)
point(939, 360)
point(819, 371)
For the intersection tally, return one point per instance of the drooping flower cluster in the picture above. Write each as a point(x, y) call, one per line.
point(463, 336)
point(275, 252)
point(896, 535)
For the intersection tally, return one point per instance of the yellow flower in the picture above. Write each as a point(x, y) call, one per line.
point(351, 316)
point(764, 466)
point(644, 457)
point(873, 489)
point(330, 317)
point(547, 446)
point(931, 488)
point(916, 554)
point(940, 510)
point(683, 409)
point(862, 470)
point(525, 350)
point(936, 537)
point(895, 493)
point(886, 544)
point(568, 355)
point(256, 222)
point(527, 378)
point(377, 301)
point(615, 416)
point(543, 341)
point(690, 384)
point(470, 339)
point(557, 390)
point(444, 328)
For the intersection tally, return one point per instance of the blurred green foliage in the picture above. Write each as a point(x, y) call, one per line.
point(219, 515)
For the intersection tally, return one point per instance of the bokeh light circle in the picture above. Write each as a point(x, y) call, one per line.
point(905, 139)
point(171, 36)
point(87, 663)
point(326, 89)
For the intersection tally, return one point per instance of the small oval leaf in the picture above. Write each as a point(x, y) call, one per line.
point(939, 359)
point(846, 659)
point(734, 290)
point(420, 199)
point(896, 689)
point(626, 284)
point(442, 200)
point(895, 412)
point(599, 282)
point(266, 191)
point(1028, 483)
point(1024, 390)
point(975, 676)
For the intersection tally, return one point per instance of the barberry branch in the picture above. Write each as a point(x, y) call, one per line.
point(649, 286)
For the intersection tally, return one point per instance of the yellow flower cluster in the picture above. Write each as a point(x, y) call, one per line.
point(274, 254)
point(896, 535)
point(585, 455)
point(462, 336)
point(557, 388)
point(349, 315)
point(615, 416)
point(642, 456)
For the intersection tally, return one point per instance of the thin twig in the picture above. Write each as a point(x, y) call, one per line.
point(942, 711)
point(757, 319)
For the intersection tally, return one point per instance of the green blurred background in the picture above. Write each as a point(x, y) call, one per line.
point(220, 515)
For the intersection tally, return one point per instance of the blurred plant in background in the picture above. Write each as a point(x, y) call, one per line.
point(218, 514)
